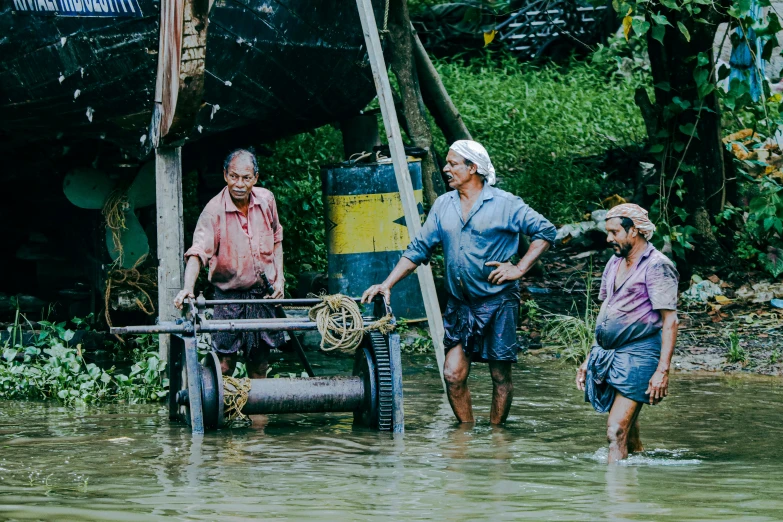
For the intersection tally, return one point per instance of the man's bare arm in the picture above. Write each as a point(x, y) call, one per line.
point(404, 268)
point(191, 274)
point(659, 383)
point(278, 292)
point(508, 272)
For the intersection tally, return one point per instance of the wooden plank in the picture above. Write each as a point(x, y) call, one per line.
point(181, 67)
point(171, 244)
point(397, 150)
point(172, 13)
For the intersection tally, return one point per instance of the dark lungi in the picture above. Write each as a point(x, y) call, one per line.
point(626, 369)
point(487, 328)
point(255, 345)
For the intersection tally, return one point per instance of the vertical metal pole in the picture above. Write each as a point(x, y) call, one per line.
point(395, 361)
point(194, 386)
point(400, 160)
point(171, 243)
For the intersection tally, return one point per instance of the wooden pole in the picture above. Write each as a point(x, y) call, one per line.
point(397, 150)
point(435, 96)
point(171, 244)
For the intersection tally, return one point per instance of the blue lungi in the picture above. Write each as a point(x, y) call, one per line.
point(626, 369)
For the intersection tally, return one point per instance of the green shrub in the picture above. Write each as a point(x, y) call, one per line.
point(293, 175)
point(537, 121)
point(53, 368)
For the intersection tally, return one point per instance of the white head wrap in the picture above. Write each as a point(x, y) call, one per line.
point(636, 214)
point(476, 153)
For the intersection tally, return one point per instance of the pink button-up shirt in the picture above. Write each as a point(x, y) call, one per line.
point(238, 249)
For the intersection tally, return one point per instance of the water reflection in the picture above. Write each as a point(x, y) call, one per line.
point(710, 455)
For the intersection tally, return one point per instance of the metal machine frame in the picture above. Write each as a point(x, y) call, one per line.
point(196, 394)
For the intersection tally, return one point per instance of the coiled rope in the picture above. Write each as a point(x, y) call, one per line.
point(341, 326)
point(234, 399)
point(340, 323)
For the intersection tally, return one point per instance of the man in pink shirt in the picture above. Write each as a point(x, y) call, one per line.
point(239, 237)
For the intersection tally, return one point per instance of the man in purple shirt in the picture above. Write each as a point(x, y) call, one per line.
point(636, 330)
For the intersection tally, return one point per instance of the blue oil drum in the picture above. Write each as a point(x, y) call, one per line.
point(366, 232)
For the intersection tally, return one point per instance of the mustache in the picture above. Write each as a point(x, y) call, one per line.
point(614, 245)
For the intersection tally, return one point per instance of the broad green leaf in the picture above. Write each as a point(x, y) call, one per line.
point(701, 75)
point(640, 26)
point(671, 4)
point(772, 26)
point(680, 103)
point(684, 31)
point(705, 89)
point(758, 205)
point(773, 261)
point(657, 33)
point(660, 19)
point(702, 59)
point(657, 148)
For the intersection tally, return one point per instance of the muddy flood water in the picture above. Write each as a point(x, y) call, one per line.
point(713, 452)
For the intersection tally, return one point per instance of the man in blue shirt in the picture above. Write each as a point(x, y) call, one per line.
point(478, 226)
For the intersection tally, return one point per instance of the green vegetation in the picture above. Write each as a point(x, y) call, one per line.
point(736, 353)
point(50, 366)
point(573, 335)
point(538, 123)
point(293, 174)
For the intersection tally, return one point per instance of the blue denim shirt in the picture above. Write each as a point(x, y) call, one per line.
point(490, 233)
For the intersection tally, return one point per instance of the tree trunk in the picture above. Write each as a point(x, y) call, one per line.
point(436, 98)
point(700, 165)
point(403, 66)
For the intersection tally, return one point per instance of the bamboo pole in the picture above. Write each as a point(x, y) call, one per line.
point(400, 161)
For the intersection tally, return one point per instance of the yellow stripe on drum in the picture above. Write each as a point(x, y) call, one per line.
point(365, 223)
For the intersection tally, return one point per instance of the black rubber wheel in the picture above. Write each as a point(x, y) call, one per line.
point(364, 366)
point(212, 393)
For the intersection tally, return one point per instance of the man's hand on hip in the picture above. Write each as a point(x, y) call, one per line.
point(503, 272)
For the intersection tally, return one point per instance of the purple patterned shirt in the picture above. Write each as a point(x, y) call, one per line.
point(631, 312)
